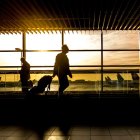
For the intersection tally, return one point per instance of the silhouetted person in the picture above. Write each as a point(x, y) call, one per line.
point(24, 74)
point(61, 69)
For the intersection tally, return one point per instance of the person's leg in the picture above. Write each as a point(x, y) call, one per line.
point(24, 86)
point(63, 84)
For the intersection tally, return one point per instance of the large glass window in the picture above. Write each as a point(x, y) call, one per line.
point(41, 58)
point(44, 41)
point(118, 64)
point(10, 59)
point(85, 52)
point(43, 48)
point(8, 54)
point(10, 41)
point(113, 40)
point(83, 40)
point(121, 57)
point(85, 58)
point(121, 48)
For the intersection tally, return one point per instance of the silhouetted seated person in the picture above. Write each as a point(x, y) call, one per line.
point(61, 69)
point(24, 75)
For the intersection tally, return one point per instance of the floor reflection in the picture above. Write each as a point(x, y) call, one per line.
point(70, 133)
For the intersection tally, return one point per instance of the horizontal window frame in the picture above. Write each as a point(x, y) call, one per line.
point(77, 71)
point(71, 50)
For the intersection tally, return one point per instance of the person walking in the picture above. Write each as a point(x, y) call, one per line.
point(61, 69)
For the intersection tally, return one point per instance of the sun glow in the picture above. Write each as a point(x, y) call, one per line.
point(43, 43)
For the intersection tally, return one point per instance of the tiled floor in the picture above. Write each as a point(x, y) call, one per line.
point(71, 133)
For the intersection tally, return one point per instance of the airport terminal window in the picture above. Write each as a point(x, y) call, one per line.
point(8, 55)
point(121, 48)
point(113, 40)
point(83, 40)
point(85, 58)
point(44, 41)
point(41, 58)
point(43, 48)
point(10, 41)
point(85, 55)
point(10, 58)
point(85, 51)
point(121, 57)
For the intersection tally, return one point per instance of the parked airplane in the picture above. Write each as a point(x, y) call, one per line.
point(120, 82)
point(135, 80)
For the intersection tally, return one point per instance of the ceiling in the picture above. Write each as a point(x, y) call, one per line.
point(32, 16)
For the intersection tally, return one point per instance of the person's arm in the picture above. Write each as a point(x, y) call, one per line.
point(69, 71)
point(70, 74)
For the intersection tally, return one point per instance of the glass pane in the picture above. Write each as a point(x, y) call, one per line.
point(85, 82)
point(75, 58)
point(44, 41)
point(10, 41)
point(121, 58)
point(41, 58)
point(80, 82)
point(10, 59)
point(9, 82)
point(85, 58)
point(121, 80)
point(87, 40)
point(121, 39)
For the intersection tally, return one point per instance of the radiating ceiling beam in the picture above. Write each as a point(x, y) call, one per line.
point(125, 22)
point(123, 15)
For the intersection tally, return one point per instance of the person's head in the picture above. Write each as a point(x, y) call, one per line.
point(65, 49)
point(22, 59)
